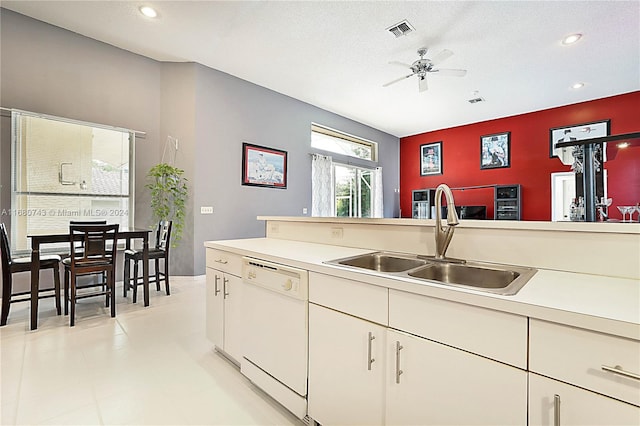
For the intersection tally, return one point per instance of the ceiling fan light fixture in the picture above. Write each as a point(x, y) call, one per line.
point(571, 39)
point(148, 11)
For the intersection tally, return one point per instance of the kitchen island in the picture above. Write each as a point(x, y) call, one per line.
point(416, 351)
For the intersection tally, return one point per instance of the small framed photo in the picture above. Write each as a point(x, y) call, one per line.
point(495, 151)
point(575, 132)
point(431, 159)
point(263, 166)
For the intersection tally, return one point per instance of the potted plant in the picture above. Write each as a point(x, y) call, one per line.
point(168, 196)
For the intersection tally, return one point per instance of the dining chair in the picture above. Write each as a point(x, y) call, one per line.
point(98, 255)
point(12, 266)
point(160, 251)
point(78, 244)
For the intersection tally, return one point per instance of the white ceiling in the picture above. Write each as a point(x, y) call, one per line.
point(335, 54)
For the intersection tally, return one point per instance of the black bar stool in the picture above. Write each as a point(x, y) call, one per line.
point(161, 251)
point(12, 266)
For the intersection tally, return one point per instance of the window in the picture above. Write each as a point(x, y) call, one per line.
point(350, 186)
point(341, 143)
point(353, 191)
point(66, 170)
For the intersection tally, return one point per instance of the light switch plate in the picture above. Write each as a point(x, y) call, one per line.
point(206, 210)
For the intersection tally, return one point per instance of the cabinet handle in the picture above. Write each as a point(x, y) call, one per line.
point(618, 370)
point(370, 360)
point(556, 410)
point(224, 262)
point(225, 281)
point(216, 290)
point(398, 371)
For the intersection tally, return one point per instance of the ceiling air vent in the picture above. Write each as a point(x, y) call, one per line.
point(476, 100)
point(401, 28)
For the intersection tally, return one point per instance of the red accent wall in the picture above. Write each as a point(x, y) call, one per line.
point(531, 166)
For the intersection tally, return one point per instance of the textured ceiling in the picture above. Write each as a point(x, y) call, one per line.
point(335, 54)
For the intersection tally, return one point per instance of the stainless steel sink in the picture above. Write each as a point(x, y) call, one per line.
point(501, 279)
point(382, 262)
point(505, 280)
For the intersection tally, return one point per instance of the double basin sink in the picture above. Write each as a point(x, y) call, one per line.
point(500, 279)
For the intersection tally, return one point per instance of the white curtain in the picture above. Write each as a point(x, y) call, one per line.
point(322, 191)
point(376, 188)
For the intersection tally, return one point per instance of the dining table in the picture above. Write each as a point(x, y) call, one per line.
point(40, 239)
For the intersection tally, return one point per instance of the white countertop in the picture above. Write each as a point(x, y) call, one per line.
point(594, 227)
point(605, 304)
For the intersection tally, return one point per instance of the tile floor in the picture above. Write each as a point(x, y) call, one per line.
point(147, 366)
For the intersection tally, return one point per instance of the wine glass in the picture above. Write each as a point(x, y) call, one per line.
point(624, 210)
point(632, 210)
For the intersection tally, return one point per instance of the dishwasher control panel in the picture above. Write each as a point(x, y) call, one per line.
point(287, 280)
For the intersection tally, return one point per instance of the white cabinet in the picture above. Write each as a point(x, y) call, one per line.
point(365, 373)
point(553, 403)
point(429, 383)
point(223, 301)
point(215, 308)
point(493, 334)
point(346, 369)
point(591, 378)
point(585, 358)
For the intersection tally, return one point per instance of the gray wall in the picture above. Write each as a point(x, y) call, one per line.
point(231, 111)
point(49, 70)
point(53, 71)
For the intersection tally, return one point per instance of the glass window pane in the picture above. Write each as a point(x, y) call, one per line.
point(66, 171)
point(350, 146)
point(353, 195)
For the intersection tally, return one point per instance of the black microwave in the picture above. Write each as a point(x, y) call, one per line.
point(424, 195)
point(507, 192)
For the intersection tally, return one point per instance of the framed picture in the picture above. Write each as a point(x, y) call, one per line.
point(431, 159)
point(263, 166)
point(495, 151)
point(575, 132)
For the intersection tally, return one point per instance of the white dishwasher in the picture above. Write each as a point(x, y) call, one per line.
point(276, 309)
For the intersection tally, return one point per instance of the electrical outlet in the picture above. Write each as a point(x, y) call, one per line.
point(274, 228)
point(304, 210)
point(206, 210)
point(336, 233)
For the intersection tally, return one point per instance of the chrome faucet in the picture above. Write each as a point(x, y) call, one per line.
point(444, 235)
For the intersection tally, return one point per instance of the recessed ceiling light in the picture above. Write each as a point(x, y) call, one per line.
point(570, 39)
point(577, 86)
point(148, 11)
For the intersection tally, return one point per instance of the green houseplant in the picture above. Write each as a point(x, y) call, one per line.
point(168, 196)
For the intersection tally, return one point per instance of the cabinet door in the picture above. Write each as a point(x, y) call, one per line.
point(432, 384)
point(556, 403)
point(215, 308)
point(233, 323)
point(346, 369)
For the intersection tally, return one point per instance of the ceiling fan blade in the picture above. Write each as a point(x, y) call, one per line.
point(396, 80)
point(445, 54)
point(402, 64)
point(422, 84)
point(450, 72)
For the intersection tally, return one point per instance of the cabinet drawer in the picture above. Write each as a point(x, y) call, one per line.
point(352, 297)
point(496, 335)
point(224, 261)
point(577, 356)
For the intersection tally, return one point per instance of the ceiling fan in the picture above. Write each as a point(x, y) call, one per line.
point(425, 65)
